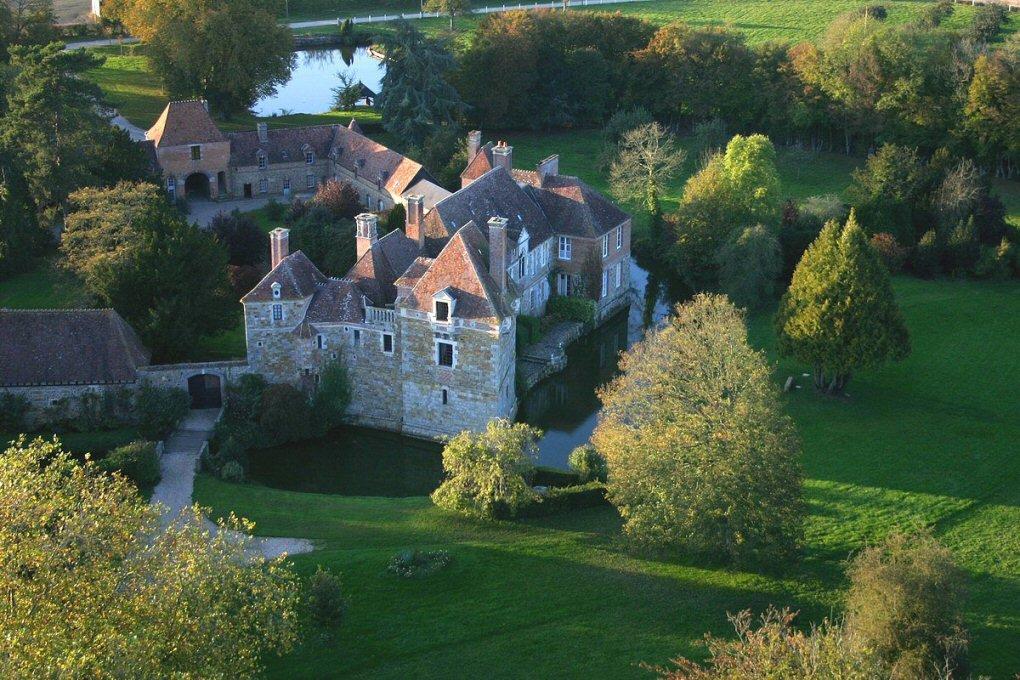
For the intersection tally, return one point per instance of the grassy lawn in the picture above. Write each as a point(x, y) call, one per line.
point(929, 440)
point(44, 287)
point(80, 443)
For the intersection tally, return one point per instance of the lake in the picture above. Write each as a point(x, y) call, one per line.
point(315, 74)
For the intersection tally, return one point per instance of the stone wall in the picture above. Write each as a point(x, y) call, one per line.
point(176, 162)
point(42, 397)
point(276, 173)
point(177, 375)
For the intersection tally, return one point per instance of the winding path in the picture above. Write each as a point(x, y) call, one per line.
point(178, 466)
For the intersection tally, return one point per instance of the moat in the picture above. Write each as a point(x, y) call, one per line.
point(364, 462)
point(315, 74)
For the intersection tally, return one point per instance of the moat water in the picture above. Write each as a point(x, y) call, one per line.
point(315, 74)
point(364, 462)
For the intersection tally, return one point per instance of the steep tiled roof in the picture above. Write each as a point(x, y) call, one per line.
point(377, 270)
point(373, 160)
point(431, 192)
point(480, 164)
point(494, 194)
point(336, 300)
point(282, 145)
point(184, 122)
point(462, 269)
point(353, 126)
point(66, 347)
point(414, 272)
point(575, 208)
point(297, 276)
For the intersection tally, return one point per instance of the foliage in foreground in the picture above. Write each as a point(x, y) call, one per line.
point(839, 314)
point(488, 473)
point(87, 577)
point(700, 453)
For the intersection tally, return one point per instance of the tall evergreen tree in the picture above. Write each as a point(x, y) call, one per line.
point(840, 314)
point(20, 237)
point(416, 97)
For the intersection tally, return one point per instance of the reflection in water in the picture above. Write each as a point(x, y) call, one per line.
point(315, 74)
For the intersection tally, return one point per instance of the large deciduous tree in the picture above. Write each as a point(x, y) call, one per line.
point(700, 454)
point(646, 160)
point(993, 109)
point(230, 52)
point(416, 96)
point(138, 255)
point(92, 587)
point(839, 314)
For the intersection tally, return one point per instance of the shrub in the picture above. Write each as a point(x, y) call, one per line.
point(332, 397)
point(927, 260)
point(284, 414)
point(232, 472)
point(487, 473)
point(244, 398)
point(101, 410)
point(933, 15)
point(396, 218)
point(571, 308)
point(137, 461)
point(749, 264)
point(295, 211)
point(588, 463)
point(326, 601)
point(529, 331)
point(564, 499)
point(889, 251)
point(906, 602)
point(14, 410)
point(159, 410)
point(245, 242)
point(416, 563)
point(274, 210)
point(988, 20)
point(995, 263)
point(962, 249)
point(874, 12)
point(340, 198)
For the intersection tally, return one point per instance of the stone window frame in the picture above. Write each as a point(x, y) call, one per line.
point(453, 353)
point(451, 307)
point(356, 337)
point(309, 157)
point(309, 181)
point(382, 343)
point(444, 395)
point(566, 248)
point(321, 342)
point(262, 160)
point(619, 237)
point(605, 246)
point(263, 186)
point(277, 312)
point(196, 152)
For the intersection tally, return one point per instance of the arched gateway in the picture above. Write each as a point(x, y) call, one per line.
point(205, 391)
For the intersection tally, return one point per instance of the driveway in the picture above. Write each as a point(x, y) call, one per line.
point(202, 211)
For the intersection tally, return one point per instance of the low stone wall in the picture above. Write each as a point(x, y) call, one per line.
point(177, 375)
point(42, 397)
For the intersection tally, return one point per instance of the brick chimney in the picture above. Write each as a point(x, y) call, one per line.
point(263, 130)
point(550, 166)
point(497, 251)
point(279, 246)
point(503, 154)
point(474, 143)
point(368, 232)
point(414, 228)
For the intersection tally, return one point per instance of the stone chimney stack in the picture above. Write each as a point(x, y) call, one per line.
point(205, 105)
point(263, 130)
point(368, 232)
point(279, 246)
point(503, 155)
point(413, 228)
point(497, 251)
point(474, 143)
point(550, 166)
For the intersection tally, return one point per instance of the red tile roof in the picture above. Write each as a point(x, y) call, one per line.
point(297, 276)
point(183, 123)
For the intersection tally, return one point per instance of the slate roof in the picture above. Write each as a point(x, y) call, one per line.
point(494, 194)
point(480, 164)
point(68, 347)
point(183, 123)
point(336, 300)
point(378, 269)
point(297, 276)
point(374, 161)
point(431, 192)
point(574, 208)
point(462, 269)
point(282, 145)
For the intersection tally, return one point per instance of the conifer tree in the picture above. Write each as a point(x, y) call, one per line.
point(840, 314)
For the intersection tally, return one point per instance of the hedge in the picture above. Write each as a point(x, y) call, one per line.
point(591, 495)
point(571, 308)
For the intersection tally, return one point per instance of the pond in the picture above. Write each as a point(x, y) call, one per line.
point(365, 462)
point(315, 74)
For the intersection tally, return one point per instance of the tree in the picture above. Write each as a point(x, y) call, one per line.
point(136, 254)
point(647, 157)
point(53, 127)
point(992, 109)
point(340, 198)
point(488, 473)
point(840, 314)
point(327, 241)
point(231, 52)
point(245, 242)
point(347, 93)
point(749, 265)
point(454, 8)
point(906, 603)
point(700, 455)
point(776, 649)
point(333, 395)
point(92, 586)
point(734, 190)
point(21, 239)
point(886, 190)
point(285, 414)
point(416, 97)
point(26, 22)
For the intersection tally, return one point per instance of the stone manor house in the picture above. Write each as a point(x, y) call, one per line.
point(425, 321)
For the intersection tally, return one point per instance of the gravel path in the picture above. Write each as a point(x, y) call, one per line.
point(178, 466)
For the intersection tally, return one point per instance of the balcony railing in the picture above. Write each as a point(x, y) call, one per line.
point(379, 315)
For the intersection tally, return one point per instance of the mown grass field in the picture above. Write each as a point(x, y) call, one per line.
point(931, 440)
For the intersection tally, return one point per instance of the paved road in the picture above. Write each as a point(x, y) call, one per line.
point(136, 133)
point(178, 467)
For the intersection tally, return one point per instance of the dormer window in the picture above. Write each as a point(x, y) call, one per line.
point(309, 157)
point(285, 155)
point(276, 291)
point(442, 311)
point(262, 161)
point(443, 306)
